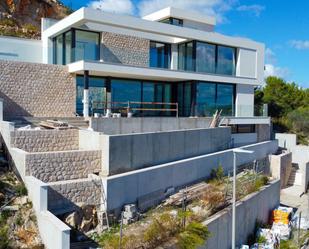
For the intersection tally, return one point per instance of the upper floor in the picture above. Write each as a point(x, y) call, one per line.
point(167, 44)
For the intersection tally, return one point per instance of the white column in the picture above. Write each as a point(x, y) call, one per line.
point(1, 109)
point(86, 103)
point(174, 56)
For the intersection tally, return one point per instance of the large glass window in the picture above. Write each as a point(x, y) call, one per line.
point(97, 94)
point(75, 45)
point(68, 45)
point(186, 56)
point(160, 55)
point(126, 90)
point(58, 53)
point(86, 45)
point(226, 63)
point(206, 99)
point(225, 99)
point(209, 58)
point(205, 57)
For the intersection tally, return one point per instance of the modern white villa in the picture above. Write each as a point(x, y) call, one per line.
point(148, 89)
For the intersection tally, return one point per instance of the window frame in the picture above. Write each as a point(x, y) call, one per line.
point(73, 45)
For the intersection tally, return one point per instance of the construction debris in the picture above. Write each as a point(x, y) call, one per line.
point(189, 194)
point(216, 119)
point(130, 214)
point(55, 124)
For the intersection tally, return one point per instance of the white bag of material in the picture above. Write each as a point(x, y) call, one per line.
point(282, 230)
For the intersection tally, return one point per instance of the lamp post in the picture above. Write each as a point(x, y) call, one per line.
point(235, 151)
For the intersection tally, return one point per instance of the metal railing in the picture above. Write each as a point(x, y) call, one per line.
point(131, 106)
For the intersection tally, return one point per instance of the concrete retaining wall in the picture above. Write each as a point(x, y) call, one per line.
point(129, 187)
point(67, 194)
point(253, 208)
point(45, 140)
point(134, 151)
point(112, 126)
point(281, 167)
point(66, 165)
point(54, 233)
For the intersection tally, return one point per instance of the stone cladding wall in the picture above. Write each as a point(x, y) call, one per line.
point(60, 166)
point(125, 49)
point(39, 90)
point(45, 140)
point(67, 194)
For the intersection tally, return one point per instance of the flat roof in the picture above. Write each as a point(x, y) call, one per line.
point(180, 14)
point(100, 19)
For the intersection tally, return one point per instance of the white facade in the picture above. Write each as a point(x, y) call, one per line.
point(249, 54)
point(19, 49)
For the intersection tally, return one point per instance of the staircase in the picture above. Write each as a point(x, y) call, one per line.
point(295, 177)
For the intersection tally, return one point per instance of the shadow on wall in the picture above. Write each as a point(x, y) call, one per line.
point(12, 110)
point(109, 56)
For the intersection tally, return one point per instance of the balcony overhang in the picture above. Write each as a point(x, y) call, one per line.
point(145, 73)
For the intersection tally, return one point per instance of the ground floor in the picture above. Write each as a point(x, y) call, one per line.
point(155, 98)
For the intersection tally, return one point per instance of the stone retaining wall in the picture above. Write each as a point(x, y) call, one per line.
point(59, 166)
point(66, 194)
point(40, 90)
point(45, 140)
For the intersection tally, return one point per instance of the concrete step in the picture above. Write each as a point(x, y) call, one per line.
point(295, 177)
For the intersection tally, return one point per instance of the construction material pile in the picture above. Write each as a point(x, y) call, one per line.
point(281, 218)
point(187, 194)
point(55, 124)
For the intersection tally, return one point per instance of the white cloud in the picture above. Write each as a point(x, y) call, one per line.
point(255, 9)
point(272, 70)
point(115, 6)
point(299, 44)
point(270, 56)
point(216, 8)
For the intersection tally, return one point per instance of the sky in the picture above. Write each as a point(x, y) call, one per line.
point(282, 25)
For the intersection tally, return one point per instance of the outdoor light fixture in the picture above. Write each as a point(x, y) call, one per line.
point(235, 151)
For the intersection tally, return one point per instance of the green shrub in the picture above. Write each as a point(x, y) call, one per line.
point(193, 236)
point(31, 28)
point(161, 229)
point(261, 240)
point(21, 190)
point(19, 220)
point(217, 174)
point(4, 237)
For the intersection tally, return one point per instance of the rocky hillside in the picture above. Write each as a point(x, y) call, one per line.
point(22, 18)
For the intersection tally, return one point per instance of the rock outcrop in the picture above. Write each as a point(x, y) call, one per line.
point(22, 18)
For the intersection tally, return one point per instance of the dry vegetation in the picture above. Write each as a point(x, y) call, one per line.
point(172, 227)
point(18, 228)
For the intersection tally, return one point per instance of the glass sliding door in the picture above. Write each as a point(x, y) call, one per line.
point(206, 99)
point(225, 99)
point(123, 91)
point(97, 95)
